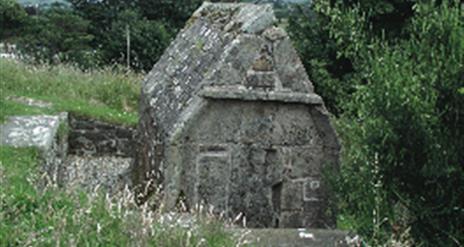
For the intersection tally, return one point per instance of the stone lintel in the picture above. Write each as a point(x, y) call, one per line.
point(241, 93)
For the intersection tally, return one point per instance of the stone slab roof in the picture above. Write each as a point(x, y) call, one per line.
point(225, 45)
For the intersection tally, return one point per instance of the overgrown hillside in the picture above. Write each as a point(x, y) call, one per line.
point(109, 94)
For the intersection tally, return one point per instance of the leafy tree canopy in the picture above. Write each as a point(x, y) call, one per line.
point(12, 17)
point(58, 35)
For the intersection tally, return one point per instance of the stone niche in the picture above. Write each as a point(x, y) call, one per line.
point(230, 119)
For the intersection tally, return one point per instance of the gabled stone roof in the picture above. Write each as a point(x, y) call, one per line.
point(230, 51)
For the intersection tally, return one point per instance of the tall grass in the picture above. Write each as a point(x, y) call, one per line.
point(52, 216)
point(109, 94)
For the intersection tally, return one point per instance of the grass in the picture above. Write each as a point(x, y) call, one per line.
point(106, 94)
point(53, 216)
point(9, 108)
point(36, 213)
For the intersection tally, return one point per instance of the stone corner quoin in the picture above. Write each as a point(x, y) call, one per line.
point(229, 118)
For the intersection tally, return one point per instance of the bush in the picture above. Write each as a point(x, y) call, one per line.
point(405, 123)
point(401, 118)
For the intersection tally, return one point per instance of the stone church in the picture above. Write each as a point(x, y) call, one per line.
point(230, 119)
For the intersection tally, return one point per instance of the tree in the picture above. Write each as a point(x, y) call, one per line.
point(326, 65)
point(148, 40)
point(152, 25)
point(12, 18)
point(58, 35)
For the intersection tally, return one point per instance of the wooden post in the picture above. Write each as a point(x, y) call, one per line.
point(128, 46)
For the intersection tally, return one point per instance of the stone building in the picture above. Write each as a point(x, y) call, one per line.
point(229, 118)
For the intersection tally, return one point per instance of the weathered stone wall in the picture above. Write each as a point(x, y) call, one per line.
point(263, 159)
point(97, 138)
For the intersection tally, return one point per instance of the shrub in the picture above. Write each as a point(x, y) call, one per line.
point(401, 117)
point(404, 128)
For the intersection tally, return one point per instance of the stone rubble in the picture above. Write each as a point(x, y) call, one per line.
point(89, 172)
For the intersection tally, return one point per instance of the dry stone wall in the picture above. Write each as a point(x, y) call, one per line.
point(96, 138)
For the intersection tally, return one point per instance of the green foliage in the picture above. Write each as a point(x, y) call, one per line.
point(173, 12)
point(12, 17)
point(9, 108)
point(334, 31)
point(408, 119)
point(107, 94)
point(58, 35)
point(401, 114)
point(152, 26)
point(383, 18)
point(311, 36)
point(94, 33)
point(148, 39)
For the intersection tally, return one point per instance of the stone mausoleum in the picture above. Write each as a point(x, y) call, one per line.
point(230, 119)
